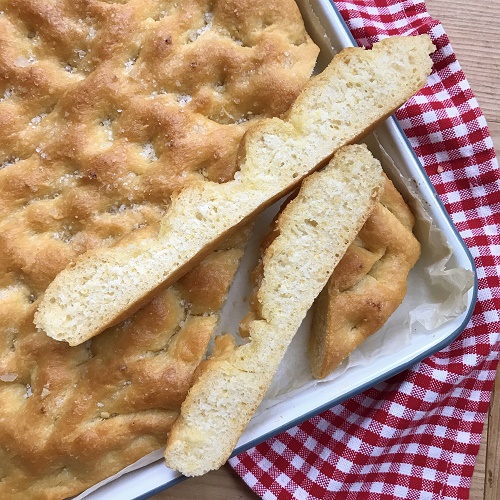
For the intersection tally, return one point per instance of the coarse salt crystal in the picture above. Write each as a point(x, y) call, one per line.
point(129, 65)
point(29, 391)
point(148, 152)
point(21, 62)
point(8, 93)
point(8, 162)
point(184, 99)
point(37, 119)
point(40, 152)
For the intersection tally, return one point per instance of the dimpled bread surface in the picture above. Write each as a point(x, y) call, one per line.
point(357, 90)
point(106, 109)
point(367, 286)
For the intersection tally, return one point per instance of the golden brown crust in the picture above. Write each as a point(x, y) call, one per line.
point(367, 286)
point(106, 109)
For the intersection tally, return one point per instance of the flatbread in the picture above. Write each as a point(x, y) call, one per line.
point(106, 109)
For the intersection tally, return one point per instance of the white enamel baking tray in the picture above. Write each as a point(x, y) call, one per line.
point(151, 479)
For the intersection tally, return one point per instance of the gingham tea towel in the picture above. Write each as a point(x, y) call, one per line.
point(416, 435)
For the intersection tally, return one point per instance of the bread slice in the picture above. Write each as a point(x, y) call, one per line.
point(367, 286)
point(356, 91)
point(314, 230)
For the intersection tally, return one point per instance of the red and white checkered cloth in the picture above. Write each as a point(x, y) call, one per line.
point(416, 435)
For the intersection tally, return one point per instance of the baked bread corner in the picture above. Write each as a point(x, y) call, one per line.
point(367, 286)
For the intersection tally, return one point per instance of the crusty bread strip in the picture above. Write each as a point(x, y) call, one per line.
point(314, 231)
point(367, 286)
point(357, 90)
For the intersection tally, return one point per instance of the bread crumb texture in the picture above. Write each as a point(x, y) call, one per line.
point(313, 232)
point(356, 91)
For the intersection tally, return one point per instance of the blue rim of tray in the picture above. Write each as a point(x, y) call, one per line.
point(390, 373)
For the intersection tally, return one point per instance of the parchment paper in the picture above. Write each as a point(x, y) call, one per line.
point(437, 288)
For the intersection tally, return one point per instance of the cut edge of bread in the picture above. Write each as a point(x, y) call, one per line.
point(350, 309)
point(314, 230)
point(356, 91)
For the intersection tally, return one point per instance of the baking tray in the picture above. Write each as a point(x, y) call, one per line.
point(327, 28)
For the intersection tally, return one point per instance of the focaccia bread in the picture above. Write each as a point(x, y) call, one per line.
point(106, 109)
point(367, 286)
point(356, 91)
point(311, 235)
